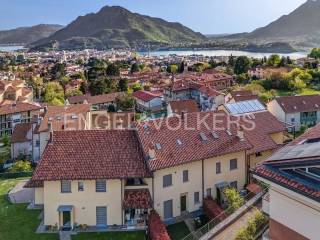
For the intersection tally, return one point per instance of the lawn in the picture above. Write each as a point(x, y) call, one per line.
point(178, 231)
point(305, 91)
point(110, 236)
point(16, 222)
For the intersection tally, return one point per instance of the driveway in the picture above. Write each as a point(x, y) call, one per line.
point(21, 195)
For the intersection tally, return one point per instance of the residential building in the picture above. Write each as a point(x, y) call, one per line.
point(181, 107)
point(148, 101)
point(98, 102)
point(21, 141)
point(265, 72)
point(58, 118)
point(13, 114)
point(240, 96)
point(293, 203)
point(115, 177)
point(296, 110)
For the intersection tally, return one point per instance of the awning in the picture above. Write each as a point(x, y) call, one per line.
point(254, 188)
point(65, 208)
point(137, 199)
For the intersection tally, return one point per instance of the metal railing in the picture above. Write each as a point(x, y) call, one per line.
point(224, 217)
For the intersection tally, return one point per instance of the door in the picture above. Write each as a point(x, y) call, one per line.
point(167, 208)
point(101, 216)
point(66, 221)
point(183, 203)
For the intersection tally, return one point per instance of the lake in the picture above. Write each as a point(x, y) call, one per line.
point(8, 48)
point(212, 53)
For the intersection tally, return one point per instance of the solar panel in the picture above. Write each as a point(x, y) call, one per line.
point(245, 107)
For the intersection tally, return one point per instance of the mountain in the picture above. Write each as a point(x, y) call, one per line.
point(116, 27)
point(27, 35)
point(298, 30)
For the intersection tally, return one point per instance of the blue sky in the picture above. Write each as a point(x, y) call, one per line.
point(206, 16)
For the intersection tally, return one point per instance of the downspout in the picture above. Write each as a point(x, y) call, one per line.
point(202, 163)
point(121, 197)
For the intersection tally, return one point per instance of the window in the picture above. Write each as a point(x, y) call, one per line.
point(101, 185)
point(167, 180)
point(168, 209)
point(80, 186)
point(196, 197)
point(37, 143)
point(293, 120)
point(234, 184)
point(218, 167)
point(185, 176)
point(65, 186)
point(209, 192)
point(258, 154)
point(233, 164)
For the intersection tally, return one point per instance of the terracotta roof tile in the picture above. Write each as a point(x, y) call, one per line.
point(145, 95)
point(20, 133)
point(137, 199)
point(18, 108)
point(291, 104)
point(91, 154)
point(187, 106)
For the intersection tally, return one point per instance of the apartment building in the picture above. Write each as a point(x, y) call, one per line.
point(16, 113)
point(148, 101)
point(293, 203)
point(296, 110)
point(115, 177)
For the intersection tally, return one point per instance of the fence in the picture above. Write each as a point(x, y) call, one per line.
point(10, 175)
point(217, 224)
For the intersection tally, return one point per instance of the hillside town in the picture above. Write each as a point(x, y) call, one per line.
point(118, 141)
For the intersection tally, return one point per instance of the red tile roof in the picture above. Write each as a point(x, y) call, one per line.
point(71, 117)
point(167, 132)
point(18, 108)
point(213, 210)
point(254, 188)
point(20, 133)
point(98, 99)
point(311, 133)
point(157, 229)
point(137, 199)
point(146, 96)
point(94, 154)
point(291, 104)
point(187, 106)
point(277, 178)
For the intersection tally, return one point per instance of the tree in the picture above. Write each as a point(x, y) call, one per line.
point(136, 87)
point(172, 68)
point(181, 67)
point(111, 108)
point(98, 87)
point(274, 60)
point(5, 140)
point(125, 102)
point(242, 78)
point(21, 166)
point(242, 65)
point(283, 62)
point(112, 70)
point(58, 71)
point(53, 93)
point(231, 61)
point(75, 92)
point(234, 199)
point(134, 68)
point(315, 53)
point(123, 85)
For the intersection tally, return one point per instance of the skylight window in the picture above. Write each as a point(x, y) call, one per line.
point(229, 133)
point(179, 142)
point(74, 117)
point(203, 137)
point(158, 146)
point(215, 135)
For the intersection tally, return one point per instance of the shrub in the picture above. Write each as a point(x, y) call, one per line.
point(21, 166)
point(234, 199)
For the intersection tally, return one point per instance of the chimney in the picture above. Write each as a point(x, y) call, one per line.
point(45, 109)
point(240, 133)
point(152, 152)
point(50, 126)
point(183, 115)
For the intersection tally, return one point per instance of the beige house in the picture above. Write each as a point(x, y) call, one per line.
point(101, 178)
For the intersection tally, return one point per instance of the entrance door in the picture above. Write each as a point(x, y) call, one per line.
point(183, 203)
point(101, 216)
point(167, 208)
point(66, 221)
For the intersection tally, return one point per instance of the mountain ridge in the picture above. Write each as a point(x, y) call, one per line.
point(27, 35)
point(117, 27)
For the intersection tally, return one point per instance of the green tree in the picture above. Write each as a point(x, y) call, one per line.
point(21, 166)
point(315, 53)
point(125, 102)
point(6, 140)
point(242, 65)
point(274, 60)
point(75, 92)
point(234, 199)
point(53, 93)
point(136, 87)
point(134, 68)
point(172, 68)
point(113, 70)
point(98, 87)
point(123, 85)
